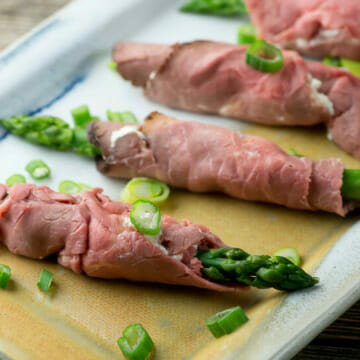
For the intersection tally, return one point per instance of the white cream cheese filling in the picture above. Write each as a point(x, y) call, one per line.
point(323, 35)
point(128, 129)
point(155, 239)
point(319, 98)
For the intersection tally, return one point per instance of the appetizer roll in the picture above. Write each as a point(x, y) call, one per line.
point(317, 28)
point(100, 237)
point(203, 158)
point(211, 77)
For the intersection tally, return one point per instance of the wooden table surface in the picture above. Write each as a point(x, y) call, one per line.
point(341, 340)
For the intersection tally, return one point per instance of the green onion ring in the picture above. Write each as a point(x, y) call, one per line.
point(247, 34)
point(16, 179)
point(227, 321)
point(45, 280)
point(145, 189)
point(38, 169)
point(5, 274)
point(69, 187)
point(264, 57)
point(145, 217)
point(136, 343)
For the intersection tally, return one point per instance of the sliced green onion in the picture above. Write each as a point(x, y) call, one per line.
point(126, 116)
point(145, 189)
point(16, 179)
point(293, 152)
point(247, 34)
point(69, 187)
point(81, 116)
point(290, 253)
point(112, 65)
point(5, 274)
point(45, 280)
point(84, 187)
point(136, 343)
point(129, 117)
point(352, 65)
point(351, 184)
point(37, 169)
point(145, 217)
point(227, 321)
point(264, 57)
point(332, 61)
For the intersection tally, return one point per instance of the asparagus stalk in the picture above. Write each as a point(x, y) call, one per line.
point(351, 184)
point(215, 7)
point(262, 271)
point(51, 132)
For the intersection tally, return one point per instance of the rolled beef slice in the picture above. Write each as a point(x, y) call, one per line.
point(212, 77)
point(93, 234)
point(317, 28)
point(204, 158)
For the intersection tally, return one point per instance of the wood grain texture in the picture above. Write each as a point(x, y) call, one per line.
point(341, 340)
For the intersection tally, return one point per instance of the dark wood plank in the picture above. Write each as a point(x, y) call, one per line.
point(341, 340)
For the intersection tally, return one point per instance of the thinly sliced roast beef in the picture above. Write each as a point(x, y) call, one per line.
point(213, 77)
point(93, 234)
point(317, 28)
point(202, 158)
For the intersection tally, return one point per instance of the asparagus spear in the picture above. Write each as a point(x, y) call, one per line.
point(51, 132)
point(261, 271)
point(215, 7)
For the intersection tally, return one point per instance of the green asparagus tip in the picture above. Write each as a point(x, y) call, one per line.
point(232, 265)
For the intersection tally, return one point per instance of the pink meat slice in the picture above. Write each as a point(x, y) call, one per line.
point(205, 158)
point(212, 77)
point(91, 233)
point(317, 28)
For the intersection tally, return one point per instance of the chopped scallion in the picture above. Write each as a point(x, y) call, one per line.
point(126, 116)
point(16, 179)
point(290, 253)
point(81, 116)
point(227, 321)
point(136, 343)
point(293, 152)
point(352, 65)
point(145, 189)
point(264, 57)
point(84, 187)
point(45, 280)
point(112, 65)
point(69, 187)
point(5, 274)
point(247, 34)
point(145, 217)
point(38, 169)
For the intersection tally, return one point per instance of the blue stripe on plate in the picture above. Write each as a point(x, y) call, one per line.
point(3, 133)
point(64, 92)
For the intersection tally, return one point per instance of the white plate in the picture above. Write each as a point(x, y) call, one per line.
point(62, 64)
